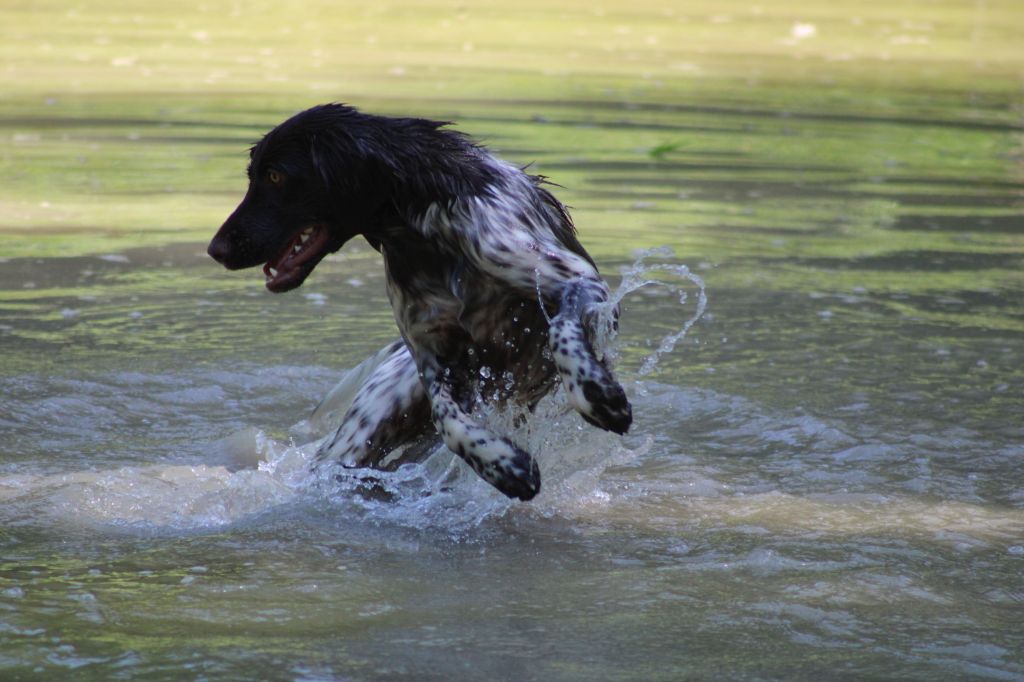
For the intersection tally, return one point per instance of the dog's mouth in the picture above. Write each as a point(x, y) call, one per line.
point(290, 269)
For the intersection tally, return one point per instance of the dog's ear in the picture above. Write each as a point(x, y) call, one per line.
point(328, 160)
point(342, 163)
point(355, 177)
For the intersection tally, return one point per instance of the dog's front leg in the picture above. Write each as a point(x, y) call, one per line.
point(534, 252)
point(495, 459)
point(533, 263)
point(590, 386)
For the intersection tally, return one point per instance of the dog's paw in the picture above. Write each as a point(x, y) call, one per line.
point(605, 405)
point(597, 396)
point(506, 466)
point(518, 478)
point(590, 386)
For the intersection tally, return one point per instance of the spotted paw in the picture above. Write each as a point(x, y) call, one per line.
point(599, 399)
point(606, 406)
point(521, 480)
point(513, 472)
point(589, 385)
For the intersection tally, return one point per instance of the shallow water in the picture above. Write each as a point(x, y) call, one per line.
point(824, 478)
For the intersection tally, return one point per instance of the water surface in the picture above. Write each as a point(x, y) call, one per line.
point(824, 478)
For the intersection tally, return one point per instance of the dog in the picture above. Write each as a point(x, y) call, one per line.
point(495, 297)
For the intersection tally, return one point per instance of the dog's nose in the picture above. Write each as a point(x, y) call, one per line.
point(218, 249)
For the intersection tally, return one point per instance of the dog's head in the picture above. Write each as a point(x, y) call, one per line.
point(314, 183)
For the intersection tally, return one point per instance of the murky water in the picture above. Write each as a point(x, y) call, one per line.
point(824, 479)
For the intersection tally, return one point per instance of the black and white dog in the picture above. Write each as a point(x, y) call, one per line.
point(493, 294)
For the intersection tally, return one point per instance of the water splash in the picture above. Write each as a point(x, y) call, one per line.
point(251, 473)
point(443, 494)
point(605, 316)
point(638, 276)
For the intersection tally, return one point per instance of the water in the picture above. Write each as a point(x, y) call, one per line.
point(824, 476)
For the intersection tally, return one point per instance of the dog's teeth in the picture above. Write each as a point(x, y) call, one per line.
point(297, 248)
point(273, 272)
point(304, 237)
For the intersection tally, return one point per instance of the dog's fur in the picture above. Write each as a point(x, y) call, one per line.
point(493, 294)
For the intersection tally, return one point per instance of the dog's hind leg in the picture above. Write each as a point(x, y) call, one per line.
point(495, 459)
point(390, 410)
point(590, 386)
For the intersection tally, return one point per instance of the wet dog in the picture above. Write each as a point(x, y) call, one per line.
point(494, 296)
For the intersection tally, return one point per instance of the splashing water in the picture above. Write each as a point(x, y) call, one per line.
point(634, 278)
point(638, 276)
point(442, 493)
point(250, 472)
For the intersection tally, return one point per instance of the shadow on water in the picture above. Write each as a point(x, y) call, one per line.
point(754, 111)
point(656, 169)
point(798, 180)
point(920, 261)
point(72, 122)
point(995, 224)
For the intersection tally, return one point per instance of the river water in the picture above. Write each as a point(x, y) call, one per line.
point(824, 479)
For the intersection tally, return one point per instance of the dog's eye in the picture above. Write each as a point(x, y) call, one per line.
point(275, 177)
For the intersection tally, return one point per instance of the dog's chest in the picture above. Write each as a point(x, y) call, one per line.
point(467, 319)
